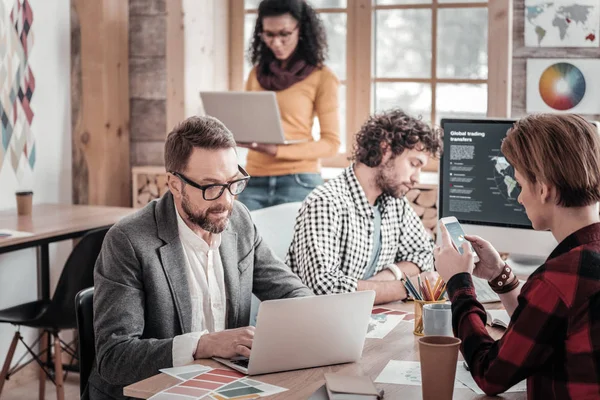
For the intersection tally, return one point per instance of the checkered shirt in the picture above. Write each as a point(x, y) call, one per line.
point(553, 339)
point(333, 238)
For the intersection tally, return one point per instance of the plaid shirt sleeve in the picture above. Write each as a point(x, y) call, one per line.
point(318, 239)
point(416, 246)
point(536, 325)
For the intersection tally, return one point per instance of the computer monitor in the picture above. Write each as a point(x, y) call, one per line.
point(478, 187)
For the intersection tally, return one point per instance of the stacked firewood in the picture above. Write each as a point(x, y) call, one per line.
point(424, 202)
point(149, 187)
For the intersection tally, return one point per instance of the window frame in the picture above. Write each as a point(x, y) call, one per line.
point(359, 74)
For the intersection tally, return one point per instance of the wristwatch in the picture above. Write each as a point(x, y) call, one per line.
point(395, 270)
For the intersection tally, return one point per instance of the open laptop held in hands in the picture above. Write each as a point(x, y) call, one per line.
point(307, 332)
point(252, 117)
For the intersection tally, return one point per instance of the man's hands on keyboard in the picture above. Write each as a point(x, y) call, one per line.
point(226, 344)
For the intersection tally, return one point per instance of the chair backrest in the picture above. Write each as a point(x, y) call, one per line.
point(84, 305)
point(77, 274)
point(276, 226)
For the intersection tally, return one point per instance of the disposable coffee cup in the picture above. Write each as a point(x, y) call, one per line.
point(24, 202)
point(438, 355)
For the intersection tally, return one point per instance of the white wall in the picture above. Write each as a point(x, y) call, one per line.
point(51, 179)
point(206, 32)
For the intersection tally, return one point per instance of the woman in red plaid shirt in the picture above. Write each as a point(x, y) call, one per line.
point(553, 339)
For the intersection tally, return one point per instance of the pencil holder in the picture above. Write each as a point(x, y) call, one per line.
point(418, 330)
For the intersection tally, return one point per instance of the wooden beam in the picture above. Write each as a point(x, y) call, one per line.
point(429, 81)
point(358, 64)
point(175, 61)
point(430, 5)
point(499, 58)
point(236, 45)
point(100, 102)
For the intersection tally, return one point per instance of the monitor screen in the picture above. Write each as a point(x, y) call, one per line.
point(477, 184)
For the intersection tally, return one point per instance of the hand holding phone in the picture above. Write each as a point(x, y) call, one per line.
point(457, 235)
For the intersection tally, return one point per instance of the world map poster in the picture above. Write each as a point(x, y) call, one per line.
point(562, 23)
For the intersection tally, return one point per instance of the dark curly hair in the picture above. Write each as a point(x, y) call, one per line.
point(399, 131)
point(312, 44)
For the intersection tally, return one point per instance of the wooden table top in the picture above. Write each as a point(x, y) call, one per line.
point(48, 221)
point(400, 344)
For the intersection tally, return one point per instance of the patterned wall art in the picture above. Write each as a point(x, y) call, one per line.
point(17, 85)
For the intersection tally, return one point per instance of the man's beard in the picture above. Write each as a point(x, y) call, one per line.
point(203, 220)
point(385, 180)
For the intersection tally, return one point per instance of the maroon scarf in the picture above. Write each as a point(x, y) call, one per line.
point(278, 78)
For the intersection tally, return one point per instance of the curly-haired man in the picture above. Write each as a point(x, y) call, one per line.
point(358, 231)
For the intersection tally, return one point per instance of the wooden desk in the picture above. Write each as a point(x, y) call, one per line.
point(400, 344)
point(53, 223)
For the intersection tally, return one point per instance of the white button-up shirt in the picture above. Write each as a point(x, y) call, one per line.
point(207, 290)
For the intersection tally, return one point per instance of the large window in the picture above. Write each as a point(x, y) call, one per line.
point(428, 57)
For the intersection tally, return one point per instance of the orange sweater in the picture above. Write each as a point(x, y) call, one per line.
point(298, 105)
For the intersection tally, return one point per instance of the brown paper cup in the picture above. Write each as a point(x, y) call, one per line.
point(438, 355)
point(24, 203)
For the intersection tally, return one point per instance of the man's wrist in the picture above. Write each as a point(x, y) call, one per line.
point(394, 269)
point(203, 349)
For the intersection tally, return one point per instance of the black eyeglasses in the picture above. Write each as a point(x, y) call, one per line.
point(269, 37)
point(215, 190)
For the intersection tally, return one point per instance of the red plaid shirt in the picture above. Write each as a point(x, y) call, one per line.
point(553, 339)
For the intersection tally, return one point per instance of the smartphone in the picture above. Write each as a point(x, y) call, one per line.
point(457, 234)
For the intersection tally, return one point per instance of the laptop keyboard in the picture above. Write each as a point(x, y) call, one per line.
point(242, 362)
point(484, 292)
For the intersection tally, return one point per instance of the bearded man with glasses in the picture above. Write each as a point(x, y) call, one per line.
point(173, 282)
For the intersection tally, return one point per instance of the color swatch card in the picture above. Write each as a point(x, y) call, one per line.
point(384, 320)
point(215, 384)
point(186, 372)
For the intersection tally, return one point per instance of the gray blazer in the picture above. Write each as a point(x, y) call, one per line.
point(142, 299)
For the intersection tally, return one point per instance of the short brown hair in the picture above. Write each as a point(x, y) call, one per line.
point(562, 150)
point(204, 132)
point(399, 131)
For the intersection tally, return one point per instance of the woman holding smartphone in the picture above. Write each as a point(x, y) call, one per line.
point(288, 52)
point(553, 339)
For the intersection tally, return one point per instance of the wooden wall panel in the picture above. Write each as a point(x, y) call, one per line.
point(147, 7)
point(147, 36)
point(147, 120)
point(148, 153)
point(522, 53)
point(100, 101)
point(175, 64)
point(148, 79)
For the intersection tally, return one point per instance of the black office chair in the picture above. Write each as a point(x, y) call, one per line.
point(52, 316)
point(84, 306)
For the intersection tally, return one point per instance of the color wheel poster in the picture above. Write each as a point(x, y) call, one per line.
point(563, 85)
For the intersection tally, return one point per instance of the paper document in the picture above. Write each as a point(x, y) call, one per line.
point(7, 233)
point(407, 373)
point(466, 379)
point(383, 321)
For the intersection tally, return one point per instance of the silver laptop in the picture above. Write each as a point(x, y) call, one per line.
point(250, 116)
point(307, 332)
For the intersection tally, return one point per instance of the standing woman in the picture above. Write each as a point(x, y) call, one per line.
point(288, 51)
